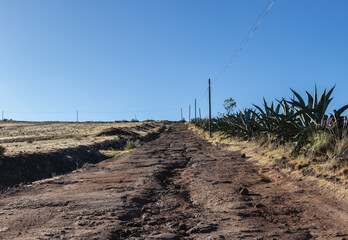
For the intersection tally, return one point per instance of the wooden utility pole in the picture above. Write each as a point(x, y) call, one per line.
point(195, 109)
point(189, 112)
point(200, 116)
point(181, 114)
point(209, 110)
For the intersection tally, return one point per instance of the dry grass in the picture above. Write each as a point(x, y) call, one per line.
point(114, 153)
point(327, 172)
point(31, 137)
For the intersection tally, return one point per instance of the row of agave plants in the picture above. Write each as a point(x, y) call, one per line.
point(287, 120)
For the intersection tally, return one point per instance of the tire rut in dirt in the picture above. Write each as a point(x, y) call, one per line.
point(167, 209)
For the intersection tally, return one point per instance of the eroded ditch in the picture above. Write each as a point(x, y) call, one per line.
point(29, 167)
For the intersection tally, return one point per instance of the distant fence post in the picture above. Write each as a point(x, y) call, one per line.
point(195, 109)
point(209, 110)
point(189, 112)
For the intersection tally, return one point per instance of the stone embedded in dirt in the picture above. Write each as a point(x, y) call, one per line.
point(145, 217)
point(48, 234)
point(244, 191)
point(340, 234)
point(265, 180)
point(81, 223)
point(243, 155)
point(216, 237)
point(163, 236)
point(4, 229)
point(259, 205)
point(182, 226)
point(237, 205)
point(202, 228)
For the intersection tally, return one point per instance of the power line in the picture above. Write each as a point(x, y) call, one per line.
point(93, 112)
point(142, 111)
point(241, 46)
point(247, 37)
point(205, 93)
point(40, 112)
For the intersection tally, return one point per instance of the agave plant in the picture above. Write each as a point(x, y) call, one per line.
point(265, 116)
point(279, 121)
point(314, 111)
point(295, 120)
point(337, 123)
point(244, 123)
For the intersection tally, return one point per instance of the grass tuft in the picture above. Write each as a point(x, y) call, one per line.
point(2, 150)
point(113, 153)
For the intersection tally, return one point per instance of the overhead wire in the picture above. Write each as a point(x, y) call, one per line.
point(142, 111)
point(241, 46)
point(246, 39)
point(243, 43)
point(203, 95)
point(106, 112)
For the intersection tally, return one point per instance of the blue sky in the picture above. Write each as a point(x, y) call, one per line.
point(115, 59)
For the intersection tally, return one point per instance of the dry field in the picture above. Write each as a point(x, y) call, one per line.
point(33, 137)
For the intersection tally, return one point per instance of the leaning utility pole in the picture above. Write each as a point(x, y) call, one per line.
point(209, 110)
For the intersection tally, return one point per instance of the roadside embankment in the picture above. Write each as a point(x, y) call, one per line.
point(30, 166)
point(330, 174)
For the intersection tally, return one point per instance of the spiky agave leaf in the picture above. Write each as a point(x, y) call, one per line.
point(320, 106)
point(341, 110)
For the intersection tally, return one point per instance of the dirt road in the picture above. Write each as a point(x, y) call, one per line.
point(176, 187)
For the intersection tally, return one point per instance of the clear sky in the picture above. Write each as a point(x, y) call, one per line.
point(114, 59)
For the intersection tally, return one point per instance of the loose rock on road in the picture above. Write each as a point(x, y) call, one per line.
point(176, 187)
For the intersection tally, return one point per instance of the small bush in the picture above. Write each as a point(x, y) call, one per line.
point(129, 146)
point(87, 165)
point(2, 150)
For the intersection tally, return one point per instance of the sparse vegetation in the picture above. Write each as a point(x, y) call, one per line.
point(114, 153)
point(131, 145)
point(87, 165)
point(308, 138)
point(303, 123)
point(2, 150)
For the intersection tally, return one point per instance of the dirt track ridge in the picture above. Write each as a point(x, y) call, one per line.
point(176, 187)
